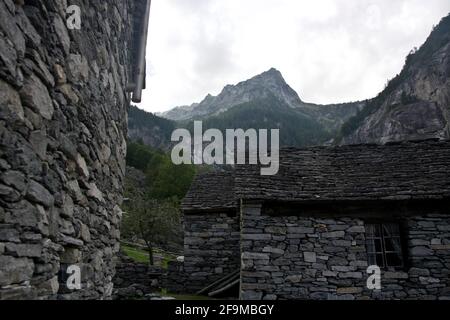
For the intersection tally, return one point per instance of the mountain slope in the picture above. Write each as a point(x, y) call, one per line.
point(269, 86)
point(415, 104)
point(296, 128)
point(149, 128)
point(270, 82)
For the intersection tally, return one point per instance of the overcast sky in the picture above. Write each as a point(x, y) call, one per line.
point(329, 51)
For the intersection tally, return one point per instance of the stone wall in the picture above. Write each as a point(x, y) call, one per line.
point(62, 145)
point(324, 257)
point(134, 280)
point(211, 248)
point(175, 280)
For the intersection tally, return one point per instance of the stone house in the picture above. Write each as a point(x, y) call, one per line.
point(311, 231)
point(64, 95)
point(211, 230)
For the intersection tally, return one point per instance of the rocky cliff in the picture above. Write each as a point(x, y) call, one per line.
point(416, 103)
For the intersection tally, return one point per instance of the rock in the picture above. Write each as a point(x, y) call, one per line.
point(49, 287)
point(256, 237)
point(251, 295)
point(41, 70)
point(68, 207)
point(39, 142)
point(441, 247)
point(8, 25)
point(294, 278)
point(68, 147)
point(66, 227)
point(338, 261)
point(14, 179)
point(8, 56)
point(85, 233)
point(350, 290)
point(428, 280)
point(421, 251)
point(419, 242)
point(9, 194)
point(310, 257)
point(37, 193)
point(95, 193)
point(18, 292)
point(354, 275)
point(35, 95)
point(356, 229)
point(15, 270)
point(78, 68)
point(327, 273)
point(70, 256)
point(334, 234)
point(297, 230)
point(74, 189)
point(395, 275)
point(24, 250)
point(71, 241)
point(436, 241)
point(414, 272)
point(10, 102)
point(69, 93)
point(276, 230)
point(25, 215)
point(273, 250)
point(255, 256)
point(82, 167)
point(61, 32)
point(341, 243)
point(60, 74)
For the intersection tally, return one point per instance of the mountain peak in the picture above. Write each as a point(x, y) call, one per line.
point(271, 73)
point(268, 83)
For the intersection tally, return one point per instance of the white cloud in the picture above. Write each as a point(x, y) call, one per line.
point(328, 50)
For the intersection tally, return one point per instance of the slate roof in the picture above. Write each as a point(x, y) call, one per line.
point(396, 171)
point(211, 191)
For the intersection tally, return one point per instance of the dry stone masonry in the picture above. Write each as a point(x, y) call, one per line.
point(212, 232)
point(62, 144)
point(211, 248)
point(306, 232)
point(324, 257)
point(134, 280)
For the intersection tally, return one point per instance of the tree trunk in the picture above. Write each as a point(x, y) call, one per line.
point(150, 254)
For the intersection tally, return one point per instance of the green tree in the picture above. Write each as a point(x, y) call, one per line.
point(154, 221)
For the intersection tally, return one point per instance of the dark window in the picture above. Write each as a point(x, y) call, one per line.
point(384, 247)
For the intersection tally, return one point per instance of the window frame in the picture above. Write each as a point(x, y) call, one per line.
point(402, 253)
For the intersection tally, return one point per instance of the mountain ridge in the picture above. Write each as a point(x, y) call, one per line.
point(262, 86)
